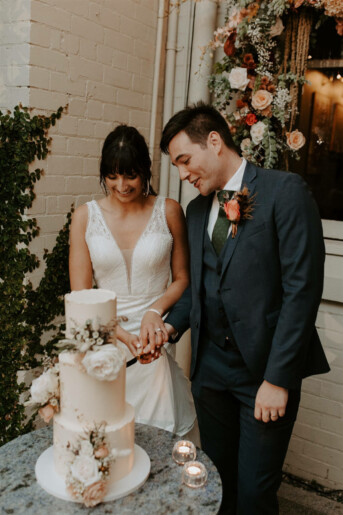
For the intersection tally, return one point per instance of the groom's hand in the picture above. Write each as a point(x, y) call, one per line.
point(153, 331)
point(270, 402)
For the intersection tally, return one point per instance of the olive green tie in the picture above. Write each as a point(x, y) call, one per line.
point(221, 227)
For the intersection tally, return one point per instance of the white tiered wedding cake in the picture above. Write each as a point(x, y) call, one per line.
point(93, 457)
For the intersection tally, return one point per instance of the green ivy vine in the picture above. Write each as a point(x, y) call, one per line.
point(25, 313)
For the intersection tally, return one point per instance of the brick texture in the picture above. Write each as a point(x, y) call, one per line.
point(86, 55)
point(316, 447)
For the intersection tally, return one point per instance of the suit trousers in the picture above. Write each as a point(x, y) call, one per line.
point(248, 453)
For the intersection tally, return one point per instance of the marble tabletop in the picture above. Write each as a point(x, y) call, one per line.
point(163, 492)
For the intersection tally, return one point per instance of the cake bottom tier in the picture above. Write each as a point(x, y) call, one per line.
point(120, 436)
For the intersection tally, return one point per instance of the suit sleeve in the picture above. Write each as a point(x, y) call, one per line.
point(179, 315)
point(302, 254)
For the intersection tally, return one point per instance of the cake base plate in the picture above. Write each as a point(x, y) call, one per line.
point(54, 484)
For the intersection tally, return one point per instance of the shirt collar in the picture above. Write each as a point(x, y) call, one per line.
point(235, 183)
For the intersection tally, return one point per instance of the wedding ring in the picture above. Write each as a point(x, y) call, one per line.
point(158, 329)
point(273, 415)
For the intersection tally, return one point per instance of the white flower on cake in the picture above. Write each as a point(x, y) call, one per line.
point(85, 469)
point(45, 390)
point(86, 448)
point(45, 387)
point(104, 364)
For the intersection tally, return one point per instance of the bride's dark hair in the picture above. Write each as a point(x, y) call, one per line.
point(125, 152)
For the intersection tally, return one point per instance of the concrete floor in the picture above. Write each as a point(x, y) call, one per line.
point(296, 501)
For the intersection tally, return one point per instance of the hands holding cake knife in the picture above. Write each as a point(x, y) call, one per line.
point(147, 346)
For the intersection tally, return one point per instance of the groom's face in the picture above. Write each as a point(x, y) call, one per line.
point(197, 164)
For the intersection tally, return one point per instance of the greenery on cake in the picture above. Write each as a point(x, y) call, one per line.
point(26, 312)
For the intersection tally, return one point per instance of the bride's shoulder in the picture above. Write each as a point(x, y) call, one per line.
point(174, 211)
point(80, 215)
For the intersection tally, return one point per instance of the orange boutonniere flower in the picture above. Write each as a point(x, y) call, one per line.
point(239, 208)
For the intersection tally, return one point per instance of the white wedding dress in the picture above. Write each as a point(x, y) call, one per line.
point(159, 391)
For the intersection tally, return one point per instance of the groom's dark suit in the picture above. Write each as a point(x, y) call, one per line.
point(252, 312)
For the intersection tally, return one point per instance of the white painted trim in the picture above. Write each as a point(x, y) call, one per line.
point(333, 229)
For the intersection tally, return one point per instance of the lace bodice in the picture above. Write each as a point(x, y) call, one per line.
point(150, 261)
point(159, 392)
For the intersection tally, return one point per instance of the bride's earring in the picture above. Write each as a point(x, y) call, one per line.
point(146, 189)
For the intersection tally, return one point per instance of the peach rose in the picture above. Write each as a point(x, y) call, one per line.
point(261, 99)
point(47, 412)
point(101, 452)
point(94, 494)
point(232, 210)
point(295, 139)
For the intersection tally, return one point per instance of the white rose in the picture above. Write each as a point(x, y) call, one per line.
point(277, 28)
point(257, 131)
point(104, 364)
point(238, 78)
point(245, 144)
point(86, 448)
point(85, 469)
point(44, 387)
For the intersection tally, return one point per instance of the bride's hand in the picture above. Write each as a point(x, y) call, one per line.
point(153, 331)
point(131, 341)
point(133, 344)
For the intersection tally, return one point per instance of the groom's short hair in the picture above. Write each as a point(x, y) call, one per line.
point(197, 121)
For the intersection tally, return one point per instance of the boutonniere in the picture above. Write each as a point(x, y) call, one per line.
point(238, 208)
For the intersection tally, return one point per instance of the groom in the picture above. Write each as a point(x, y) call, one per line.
point(255, 289)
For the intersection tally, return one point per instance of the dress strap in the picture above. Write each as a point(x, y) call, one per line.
point(95, 223)
point(159, 220)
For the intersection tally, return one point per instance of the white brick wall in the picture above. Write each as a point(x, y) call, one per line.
point(316, 448)
point(14, 52)
point(98, 57)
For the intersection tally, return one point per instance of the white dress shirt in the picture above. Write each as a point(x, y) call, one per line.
point(234, 184)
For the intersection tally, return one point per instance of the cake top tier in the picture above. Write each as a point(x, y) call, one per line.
point(97, 306)
point(94, 296)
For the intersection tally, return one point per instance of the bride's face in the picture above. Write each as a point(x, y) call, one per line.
point(124, 188)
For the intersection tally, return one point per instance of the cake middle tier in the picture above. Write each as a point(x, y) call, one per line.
point(85, 399)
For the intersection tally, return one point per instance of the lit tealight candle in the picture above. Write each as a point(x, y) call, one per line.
point(183, 451)
point(194, 474)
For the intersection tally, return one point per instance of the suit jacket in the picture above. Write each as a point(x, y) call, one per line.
point(271, 279)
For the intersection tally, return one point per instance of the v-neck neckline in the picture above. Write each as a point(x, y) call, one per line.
point(128, 279)
point(140, 236)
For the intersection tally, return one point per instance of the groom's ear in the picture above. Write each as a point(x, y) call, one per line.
point(215, 142)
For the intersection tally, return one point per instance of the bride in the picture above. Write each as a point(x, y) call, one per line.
point(133, 242)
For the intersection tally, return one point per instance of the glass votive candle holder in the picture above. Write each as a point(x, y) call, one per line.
point(194, 474)
point(183, 451)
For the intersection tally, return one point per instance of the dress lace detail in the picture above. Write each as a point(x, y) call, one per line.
point(159, 391)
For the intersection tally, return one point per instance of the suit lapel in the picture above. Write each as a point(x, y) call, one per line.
point(197, 234)
point(249, 180)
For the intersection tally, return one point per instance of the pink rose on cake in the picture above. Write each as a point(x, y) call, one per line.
point(94, 494)
point(101, 452)
point(104, 364)
point(46, 413)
